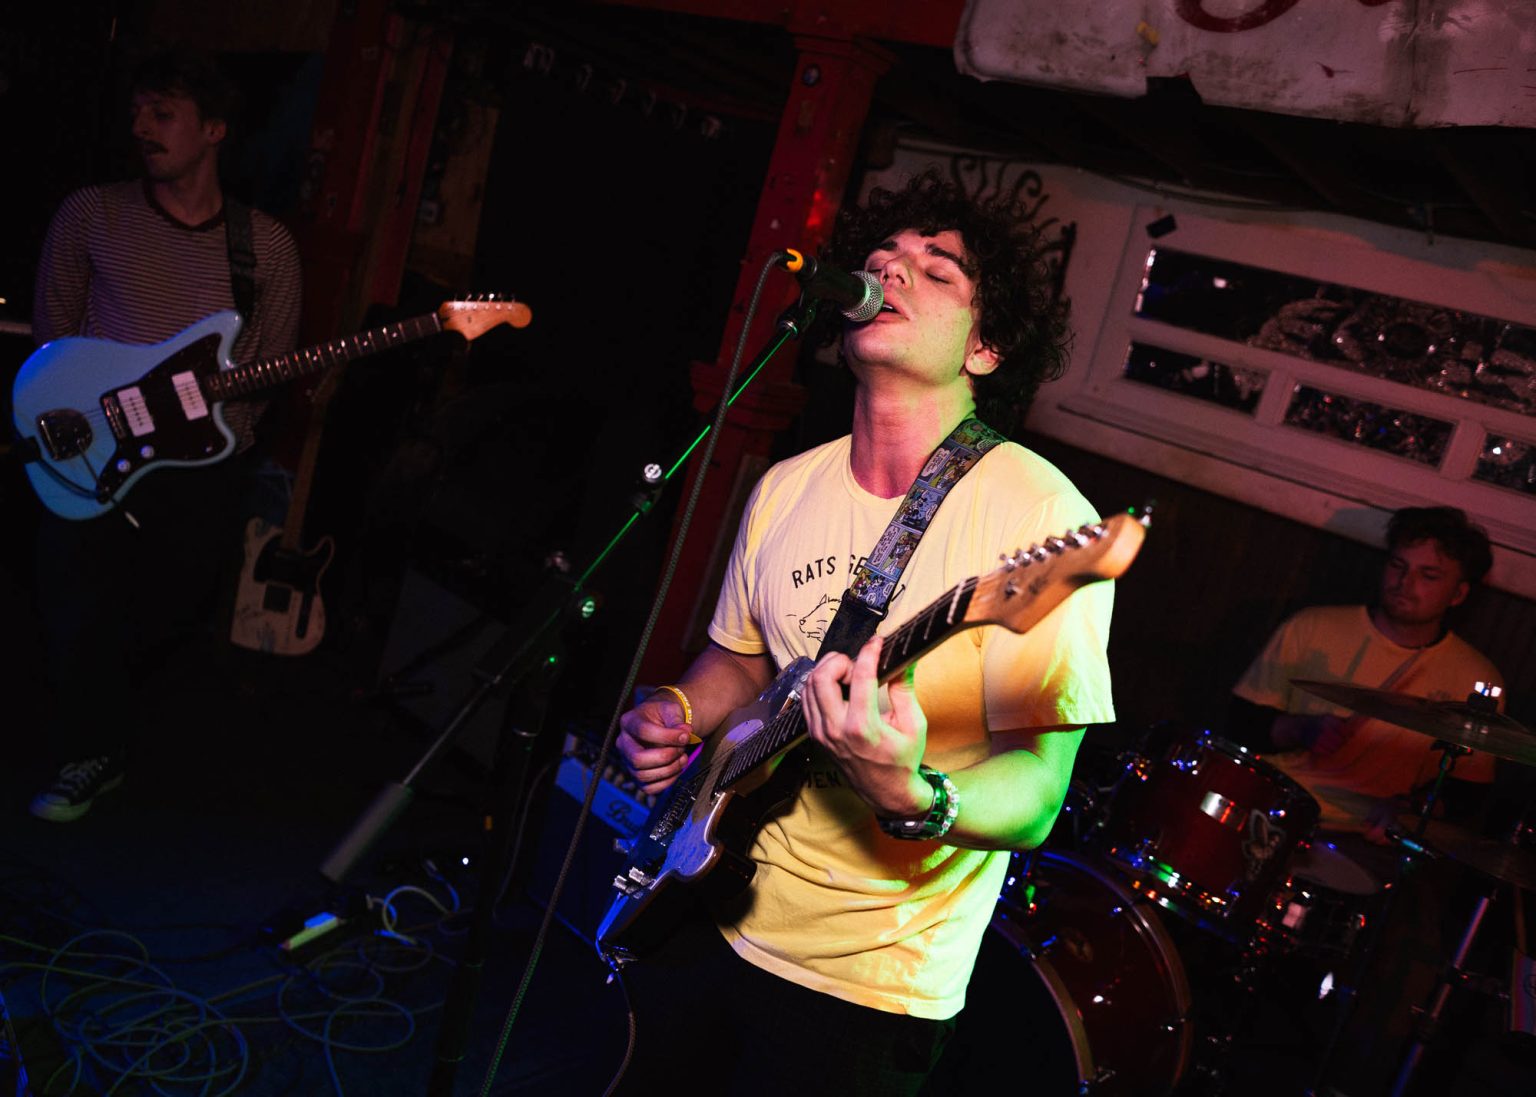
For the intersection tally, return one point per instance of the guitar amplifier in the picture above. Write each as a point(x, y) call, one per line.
point(435, 642)
point(619, 811)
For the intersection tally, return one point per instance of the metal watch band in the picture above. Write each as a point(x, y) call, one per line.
point(941, 814)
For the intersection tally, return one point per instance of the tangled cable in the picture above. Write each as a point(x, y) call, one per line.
point(122, 1020)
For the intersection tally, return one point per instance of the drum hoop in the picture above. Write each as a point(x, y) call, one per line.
point(1150, 926)
point(1061, 997)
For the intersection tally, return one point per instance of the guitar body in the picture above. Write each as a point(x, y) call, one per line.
point(278, 609)
point(695, 840)
point(103, 414)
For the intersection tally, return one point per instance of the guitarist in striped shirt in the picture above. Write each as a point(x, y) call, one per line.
point(137, 262)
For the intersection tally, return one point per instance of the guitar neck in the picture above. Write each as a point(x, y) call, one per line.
point(900, 650)
point(1030, 583)
point(291, 539)
point(268, 373)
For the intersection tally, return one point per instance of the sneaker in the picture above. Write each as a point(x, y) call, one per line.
point(76, 788)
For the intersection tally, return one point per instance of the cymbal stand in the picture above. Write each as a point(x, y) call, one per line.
point(1456, 973)
point(1429, 1019)
point(1350, 991)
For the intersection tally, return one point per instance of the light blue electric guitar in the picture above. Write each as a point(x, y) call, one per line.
point(93, 416)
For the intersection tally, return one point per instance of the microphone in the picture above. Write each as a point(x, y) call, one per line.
point(858, 293)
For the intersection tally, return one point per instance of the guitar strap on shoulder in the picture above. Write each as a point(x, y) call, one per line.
point(242, 256)
point(864, 603)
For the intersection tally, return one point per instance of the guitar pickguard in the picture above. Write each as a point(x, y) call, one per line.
point(163, 417)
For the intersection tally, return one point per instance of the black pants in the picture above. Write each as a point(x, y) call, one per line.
point(114, 598)
point(709, 1022)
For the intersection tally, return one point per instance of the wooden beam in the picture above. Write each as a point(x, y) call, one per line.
point(1493, 182)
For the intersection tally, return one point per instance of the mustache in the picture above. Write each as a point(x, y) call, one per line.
point(150, 146)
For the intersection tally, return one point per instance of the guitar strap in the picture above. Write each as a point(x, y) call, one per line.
point(863, 605)
point(242, 256)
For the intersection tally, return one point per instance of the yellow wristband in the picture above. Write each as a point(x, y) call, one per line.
point(681, 698)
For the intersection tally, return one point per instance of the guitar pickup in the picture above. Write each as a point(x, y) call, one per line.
point(627, 886)
point(640, 876)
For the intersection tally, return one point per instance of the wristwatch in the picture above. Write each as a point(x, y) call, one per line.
point(935, 823)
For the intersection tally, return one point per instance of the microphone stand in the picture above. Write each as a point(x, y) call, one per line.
point(453, 1035)
point(538, 656)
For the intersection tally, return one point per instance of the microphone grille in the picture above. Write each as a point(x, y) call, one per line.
point(868, 308)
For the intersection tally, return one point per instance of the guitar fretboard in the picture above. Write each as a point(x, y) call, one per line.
point(270, 372)
point(901, 648)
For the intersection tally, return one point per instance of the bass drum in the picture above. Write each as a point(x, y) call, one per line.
point(1077, 990)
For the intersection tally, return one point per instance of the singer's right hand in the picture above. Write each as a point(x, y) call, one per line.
point(654, 742)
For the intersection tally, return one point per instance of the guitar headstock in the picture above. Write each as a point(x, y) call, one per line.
point(473, 317)
point(1034, 581)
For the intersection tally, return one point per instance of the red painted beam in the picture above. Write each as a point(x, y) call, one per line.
point(923, 22)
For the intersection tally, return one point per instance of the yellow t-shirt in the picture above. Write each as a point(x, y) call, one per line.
point(837, 905)
point(1381, 760)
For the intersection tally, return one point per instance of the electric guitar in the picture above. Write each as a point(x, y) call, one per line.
point(696, 837)
point(278, 608)
point(93, 416)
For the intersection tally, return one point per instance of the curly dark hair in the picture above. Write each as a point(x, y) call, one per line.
point(1020, 316)
point(182, 70)
point(1458, 537)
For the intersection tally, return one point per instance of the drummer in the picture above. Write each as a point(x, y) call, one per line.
point(1364, 771)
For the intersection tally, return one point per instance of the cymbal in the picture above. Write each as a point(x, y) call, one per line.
point(1455, 722)
point(1502, 860)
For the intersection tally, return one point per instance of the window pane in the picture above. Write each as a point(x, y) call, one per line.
point(1508, 463)
point(1200, 378)
point(1462, 354)
point(1365, 423)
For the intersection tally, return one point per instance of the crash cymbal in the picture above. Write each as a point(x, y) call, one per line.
point(1501, 859)
point(1455, 722)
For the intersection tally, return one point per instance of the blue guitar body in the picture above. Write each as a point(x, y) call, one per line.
point(102, 414)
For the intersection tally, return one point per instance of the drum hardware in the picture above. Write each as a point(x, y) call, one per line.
point(1505, 863)
point(1458, 727)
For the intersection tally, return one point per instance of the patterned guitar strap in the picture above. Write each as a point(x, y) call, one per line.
point(875, 581)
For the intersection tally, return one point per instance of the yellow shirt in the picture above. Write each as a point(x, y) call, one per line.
point(837, 905)
point(1381, 760)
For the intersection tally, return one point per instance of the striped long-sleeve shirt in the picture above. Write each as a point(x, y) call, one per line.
point(117, 266)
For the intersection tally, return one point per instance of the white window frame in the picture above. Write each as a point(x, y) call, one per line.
point(1256, 458)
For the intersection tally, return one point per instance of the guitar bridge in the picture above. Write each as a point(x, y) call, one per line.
point(65, 433)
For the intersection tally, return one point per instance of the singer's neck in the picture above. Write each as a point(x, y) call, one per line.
point(897, 427)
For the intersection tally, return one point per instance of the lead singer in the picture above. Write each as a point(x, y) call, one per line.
point(844, 965)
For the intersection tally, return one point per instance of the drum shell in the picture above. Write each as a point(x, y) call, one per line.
point(1078, 989)
point(1206, 829)
point(1322, 906)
